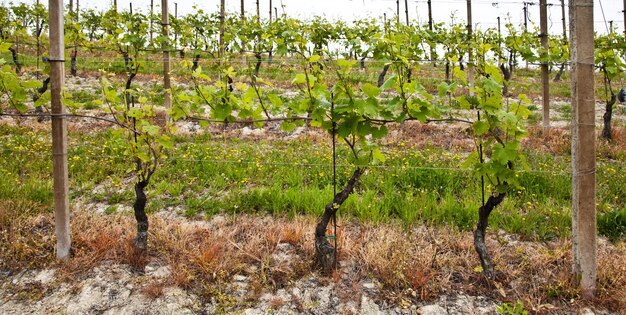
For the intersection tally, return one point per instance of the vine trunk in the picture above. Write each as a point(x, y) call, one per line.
point(481, 231)
point(324, 251)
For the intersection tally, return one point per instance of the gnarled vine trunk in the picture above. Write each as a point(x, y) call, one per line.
point(257, 67)
point(324, 251)
point(506, 74)
point(196, 59)
point(606, 130)
point(558, 76)
point(18, 65)
point(73, 70)
point(40, 91)
point(481, 231)
point(139, 207)
point(381, 76)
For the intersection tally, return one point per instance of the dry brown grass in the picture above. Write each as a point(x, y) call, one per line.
point(558, 141)
point(454, 137)
point(418, 263)
point(154, 289)
point(26, 239)
point(276, 303)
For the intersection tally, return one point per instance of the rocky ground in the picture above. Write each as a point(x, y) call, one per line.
point(115, 289)
point(111, 287)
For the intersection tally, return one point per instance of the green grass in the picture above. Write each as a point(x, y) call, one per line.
point(566, 112)
point(206, 174)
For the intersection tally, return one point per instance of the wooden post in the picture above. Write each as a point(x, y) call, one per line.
point(525, 9)
point(167, 93)
point(270, 11)
point(222, 17)
point(398, 11)
point(151, 15)
point(430, 15)
point(175, 34)
point(526, 23)
point(131, 8)
point(75, 53)
point(406, 11)
point(430, 28)
point(115, 5)
point(243, 18)
point(624, 11)
point(499, 33)
point(39, 36)
point(563, 19)
point(565, 66)
point(545, 75)
point(470, 56)
point(258, 11)
point(583, 146)
point(59, 131)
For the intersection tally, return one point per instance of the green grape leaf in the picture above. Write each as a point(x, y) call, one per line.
point(378, 156)
point(389, 83)
point(370, 90)
point(166, 141)
point(31, 84)
point(151, 129)
point(347, 126)
point(506, 153)
point(288, 126)
point(379, 132)
point(299, 79)
point(275, 100)
point(481, 128)
point(314, 58)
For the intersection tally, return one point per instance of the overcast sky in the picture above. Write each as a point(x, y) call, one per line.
point(485, 12)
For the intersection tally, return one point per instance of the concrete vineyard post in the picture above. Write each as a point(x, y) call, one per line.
point(167, 94)
point(545, 75)
point(583, 147)
point(59, 131)
point(470, 57)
